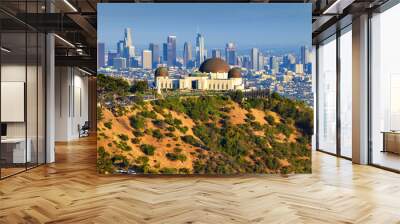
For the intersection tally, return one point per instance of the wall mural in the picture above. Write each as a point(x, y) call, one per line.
point(204, 89)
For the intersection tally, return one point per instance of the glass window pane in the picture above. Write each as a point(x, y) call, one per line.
point(385, 84)
point(346, 93)
point(13, 86)
point(327, 96)
point(23, 85)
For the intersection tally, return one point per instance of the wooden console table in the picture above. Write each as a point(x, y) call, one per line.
point(391, 141)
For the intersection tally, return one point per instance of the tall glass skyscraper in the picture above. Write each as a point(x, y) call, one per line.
point(128, 48)
point(254, 58)
point(261, 61)
point(128, 37)
point(274, 64)
point(101, 55)
point(171, 50)
point(165, 53)
point(120, 48)
point(230, 53)
point(200, 50)
point(187, 53)
point(155, 58)
point(216, 53)
point(304, 52)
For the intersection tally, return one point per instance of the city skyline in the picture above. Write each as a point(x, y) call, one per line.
point(253, 58)
point(233, 24)
point(167, 60)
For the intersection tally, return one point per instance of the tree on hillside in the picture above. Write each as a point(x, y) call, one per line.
point(139, 86)
point(147, 149)
point(109, 87)
point(137, 122)
point(237, 96)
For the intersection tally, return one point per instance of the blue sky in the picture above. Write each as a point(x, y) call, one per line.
point(248, 25)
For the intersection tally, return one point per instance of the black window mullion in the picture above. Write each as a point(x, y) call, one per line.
point(338, 92)
point(26, 86)
point(37, 90)
point(317, 97)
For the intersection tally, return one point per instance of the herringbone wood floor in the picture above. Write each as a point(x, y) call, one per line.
point(70, 191)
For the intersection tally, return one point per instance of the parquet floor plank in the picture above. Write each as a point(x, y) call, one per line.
point(70, 191)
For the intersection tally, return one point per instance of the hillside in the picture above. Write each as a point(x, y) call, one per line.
point(206, 135)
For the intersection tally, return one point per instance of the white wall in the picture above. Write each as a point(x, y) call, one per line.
point(71, 102)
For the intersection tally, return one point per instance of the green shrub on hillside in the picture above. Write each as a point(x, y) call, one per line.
point(170, 134)
point(122, 145)
point(123, 137)
point(183, 129)
point(285, 129)
point(157, 134)
point(250, 116)
point(100, 114)
point(137, 122)
point(120, 161)
point(159, 123)
point(237, 96)
point(176, 156)
point(171, 129)
point(108, 124)
point(191, 140)
point(135, 140)
point(148, 114)
point(270, 119)
point(104, 163)
point(147, 149)
point(137, 133)
point(166, 170)
point(184, 171)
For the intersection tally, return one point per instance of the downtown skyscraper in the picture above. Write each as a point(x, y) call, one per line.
point(200, 49)
point(128, 37)
point(171, 50)
point(216, 53)
point(165, 53)
point(101, 55)
point(304, 52)
point(230, 53)
point(254, 58)
point(128, 48)
point(274, 64)
point(120, 48)
point(187, 54)
point(155, 57)
point(146, 59)
point(261, 61)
